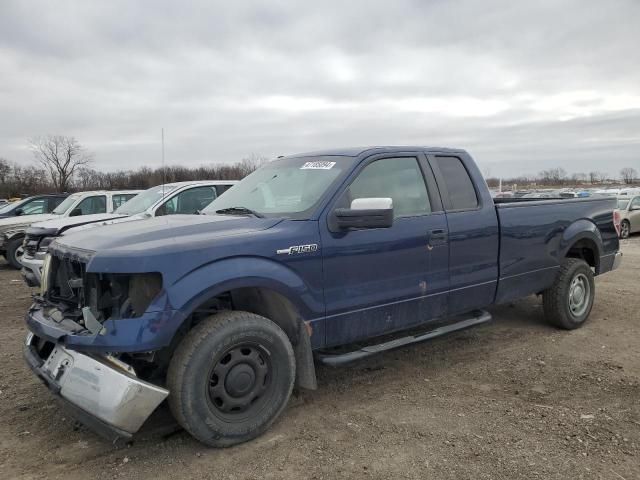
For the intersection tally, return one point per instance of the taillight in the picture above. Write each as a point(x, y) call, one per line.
point(617, 221)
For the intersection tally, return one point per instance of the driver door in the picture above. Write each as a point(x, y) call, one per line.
point(379, 280)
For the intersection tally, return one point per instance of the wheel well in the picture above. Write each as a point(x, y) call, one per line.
point(277, 308)
point(586, 250)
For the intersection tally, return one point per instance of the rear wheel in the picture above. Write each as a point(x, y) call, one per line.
point(568, 302)
point(625, 229)
point(231, 377)
point(15, 252)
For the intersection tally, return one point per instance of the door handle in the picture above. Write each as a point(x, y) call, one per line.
point(437, 237)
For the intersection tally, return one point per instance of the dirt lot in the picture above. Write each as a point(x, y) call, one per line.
point(512, 399)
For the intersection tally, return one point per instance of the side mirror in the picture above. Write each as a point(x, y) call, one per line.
point(19, 212)
point(366, 213)
point(76, 212)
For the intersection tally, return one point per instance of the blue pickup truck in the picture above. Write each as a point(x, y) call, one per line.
point(324, 257)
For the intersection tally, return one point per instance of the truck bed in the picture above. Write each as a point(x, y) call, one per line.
point(536, 234)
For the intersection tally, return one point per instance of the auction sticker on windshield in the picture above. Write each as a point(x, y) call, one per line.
point(318, 166)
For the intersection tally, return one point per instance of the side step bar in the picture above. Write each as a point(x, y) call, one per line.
point(335, 360)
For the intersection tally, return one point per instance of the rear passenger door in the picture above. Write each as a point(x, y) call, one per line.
point(384, 279)
point(473, 234)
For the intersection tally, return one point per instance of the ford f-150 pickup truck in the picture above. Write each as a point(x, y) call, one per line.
point(223, 313)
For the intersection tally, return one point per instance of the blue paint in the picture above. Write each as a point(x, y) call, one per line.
point(357, 284)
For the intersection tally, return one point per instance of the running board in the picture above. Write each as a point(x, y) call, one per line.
point(335, 360)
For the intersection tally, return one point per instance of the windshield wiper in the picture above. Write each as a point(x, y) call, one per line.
point(239, 210)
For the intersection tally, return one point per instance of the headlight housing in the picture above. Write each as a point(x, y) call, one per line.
point(43, 246)
point(46, 269)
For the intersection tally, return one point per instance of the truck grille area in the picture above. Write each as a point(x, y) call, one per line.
point(113, 296)
point(30, 244)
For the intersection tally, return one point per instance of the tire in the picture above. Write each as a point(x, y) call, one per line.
point(567, 304)
point(255, 358)
point(14, 252)
point(625, 229)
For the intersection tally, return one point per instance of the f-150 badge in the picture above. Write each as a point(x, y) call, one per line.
point(295, 249)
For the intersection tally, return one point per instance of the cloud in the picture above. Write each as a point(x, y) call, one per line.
point(522, 87)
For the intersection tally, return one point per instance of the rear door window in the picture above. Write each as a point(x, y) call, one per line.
point(35, 207)
point(188, 202)
point(222, 188)
point(462, 193)
point(121, 199)
point(92, 205)
point(53, 202)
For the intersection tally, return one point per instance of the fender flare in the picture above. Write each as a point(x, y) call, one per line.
point(579, 230)
point(235, 273)
point(212, 279)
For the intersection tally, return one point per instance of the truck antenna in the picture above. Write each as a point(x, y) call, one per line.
point(163, 169)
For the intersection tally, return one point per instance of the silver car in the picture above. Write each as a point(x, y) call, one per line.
point(629, 215)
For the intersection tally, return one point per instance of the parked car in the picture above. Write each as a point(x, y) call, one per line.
point(173, 198)
point(36, 205)
point(629, 215)
point(12, 229)
point(223, 312)
point(3, 202)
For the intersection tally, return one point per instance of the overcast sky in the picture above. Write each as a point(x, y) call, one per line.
point(522, 85)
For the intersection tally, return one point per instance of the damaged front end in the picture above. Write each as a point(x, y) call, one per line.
point(90, 299)
point(78, 323)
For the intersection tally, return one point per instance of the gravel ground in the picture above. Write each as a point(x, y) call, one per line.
point(514, 398)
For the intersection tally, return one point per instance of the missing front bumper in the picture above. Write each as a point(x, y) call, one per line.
point(104, 396)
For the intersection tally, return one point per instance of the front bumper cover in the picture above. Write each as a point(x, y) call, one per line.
point(104, 396)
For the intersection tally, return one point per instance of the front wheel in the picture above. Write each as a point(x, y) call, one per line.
point(15, 252)
point(231, 377)
point(625, 229)
point(568, 302)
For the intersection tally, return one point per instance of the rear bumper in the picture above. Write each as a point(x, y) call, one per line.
point(617, 260)
point(105, 396)
point(610, 262)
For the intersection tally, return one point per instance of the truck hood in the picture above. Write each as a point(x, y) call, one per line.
point(10, 223)
point(160, 235)
point(109, 219)
point(60, 224)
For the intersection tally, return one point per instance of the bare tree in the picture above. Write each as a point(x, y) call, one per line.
point(61, 156)
point(629, 175)
point(5, 168)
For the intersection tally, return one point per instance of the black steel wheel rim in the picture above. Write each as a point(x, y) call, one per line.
point(240, 382)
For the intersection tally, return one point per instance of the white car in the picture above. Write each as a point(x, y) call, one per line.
point(84, 203)
point(169, 199)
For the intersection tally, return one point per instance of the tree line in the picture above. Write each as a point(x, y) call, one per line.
point(63, 165)
point(558, 177)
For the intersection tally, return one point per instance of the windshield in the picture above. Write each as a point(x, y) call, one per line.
point(144, 200)
point(290, 187)
point(65, 205)
point(622, 204)
point(10, 206)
